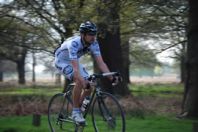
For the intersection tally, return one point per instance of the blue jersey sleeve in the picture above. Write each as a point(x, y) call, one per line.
point(73, 49)
point(95, 49)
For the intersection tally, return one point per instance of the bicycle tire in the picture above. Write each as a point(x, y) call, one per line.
point(59, 113)
point(107, 114)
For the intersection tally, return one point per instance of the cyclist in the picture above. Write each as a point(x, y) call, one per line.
point(67, 62)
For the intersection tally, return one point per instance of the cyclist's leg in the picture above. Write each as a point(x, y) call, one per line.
point(67, 70)
point(86, 91)
point(77, 92)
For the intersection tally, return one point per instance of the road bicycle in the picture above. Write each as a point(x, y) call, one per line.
point(104, 109)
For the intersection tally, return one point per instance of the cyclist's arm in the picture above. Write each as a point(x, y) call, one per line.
point(102, 65)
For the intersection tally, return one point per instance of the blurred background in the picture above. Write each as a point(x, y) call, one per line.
point(145, 40)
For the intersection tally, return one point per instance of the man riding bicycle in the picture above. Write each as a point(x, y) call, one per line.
point(67, 62)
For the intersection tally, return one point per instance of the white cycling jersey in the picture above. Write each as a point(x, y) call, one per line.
point(72, 49)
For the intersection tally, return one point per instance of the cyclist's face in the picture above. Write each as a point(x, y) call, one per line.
point(89, 38)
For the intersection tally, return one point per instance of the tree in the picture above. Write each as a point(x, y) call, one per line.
point(22, 33)
point(19, 60)
point(6, 66)
point(190, 102)
point(1, 71)
point(142, 56)
point(16, 35)
point(109, 39)
point(162, 21)
point(175, 13)
point(126, 15)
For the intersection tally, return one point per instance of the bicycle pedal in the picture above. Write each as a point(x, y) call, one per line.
point(83, 124)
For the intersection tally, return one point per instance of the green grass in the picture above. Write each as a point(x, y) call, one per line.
point(163, 90)
point(30, 91)
point(148, 124)
point(159, 124)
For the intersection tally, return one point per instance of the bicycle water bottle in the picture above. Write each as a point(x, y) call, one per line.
point(85, 103)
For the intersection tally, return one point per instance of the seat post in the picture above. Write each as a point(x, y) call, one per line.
point(67, 82)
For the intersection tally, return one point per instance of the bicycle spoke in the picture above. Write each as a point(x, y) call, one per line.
point(107, 114)
point(59, 113)
point(79, 128)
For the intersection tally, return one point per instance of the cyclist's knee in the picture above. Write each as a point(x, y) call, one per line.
point(80, 85)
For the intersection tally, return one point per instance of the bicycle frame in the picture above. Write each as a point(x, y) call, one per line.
point(97, 96)
point(96, 87)
point(96, 92)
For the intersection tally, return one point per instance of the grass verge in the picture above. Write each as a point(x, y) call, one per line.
point(148, 124)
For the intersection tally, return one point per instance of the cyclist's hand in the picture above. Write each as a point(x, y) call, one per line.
point(116, 80)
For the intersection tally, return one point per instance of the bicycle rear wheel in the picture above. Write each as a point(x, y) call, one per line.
point(107, 114)
point(59, 113)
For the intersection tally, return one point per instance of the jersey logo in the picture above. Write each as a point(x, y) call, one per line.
point(68, 70)
point(75, 44)
point(83, 51)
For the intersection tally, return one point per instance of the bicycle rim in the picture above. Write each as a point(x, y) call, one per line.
point(59, 114)
point(107, 114)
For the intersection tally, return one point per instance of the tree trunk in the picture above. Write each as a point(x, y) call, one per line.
point(1, 76)
point(109, 40)
point(191, 87)
point(1, 71)
point(126, 63)
point(33, 67)
point(21, 67)
point(21, 72)
point(183, 64)
point(195, 127)
point(36, 120)
point(182, 69)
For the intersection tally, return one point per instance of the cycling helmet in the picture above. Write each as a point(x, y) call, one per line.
point(88, 27)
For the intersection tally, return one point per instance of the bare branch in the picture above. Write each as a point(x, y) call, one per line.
point(171, 46)
point(58, 29)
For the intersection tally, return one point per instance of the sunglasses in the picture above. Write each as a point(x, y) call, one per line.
point(92, 33)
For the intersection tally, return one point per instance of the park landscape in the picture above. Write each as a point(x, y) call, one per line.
point(152, 44)
point(153, 107)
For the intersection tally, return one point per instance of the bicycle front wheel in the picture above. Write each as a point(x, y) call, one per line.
point(59, 113)
point(107, 114)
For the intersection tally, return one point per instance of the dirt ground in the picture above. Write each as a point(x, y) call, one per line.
point(16, 105)
point(152, 104)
